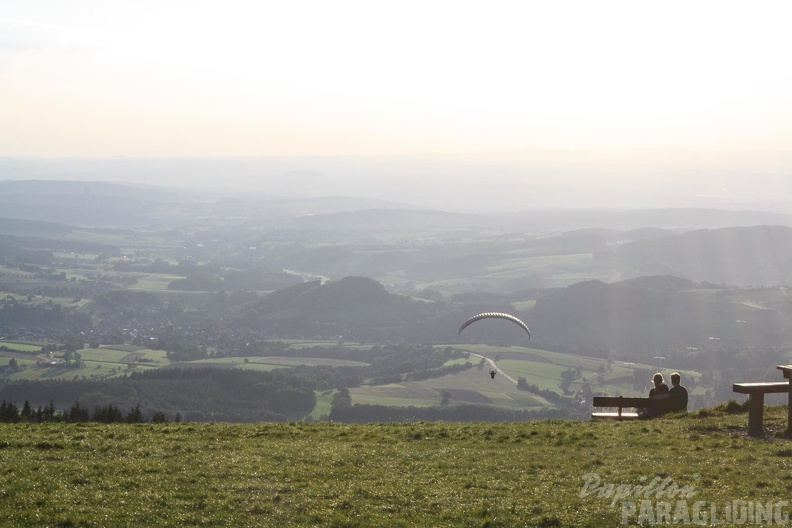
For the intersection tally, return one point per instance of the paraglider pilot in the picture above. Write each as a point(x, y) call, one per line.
point(492, 374)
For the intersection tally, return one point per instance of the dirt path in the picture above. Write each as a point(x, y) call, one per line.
point(494, 366)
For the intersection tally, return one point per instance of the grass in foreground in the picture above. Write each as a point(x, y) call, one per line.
point(418, 474)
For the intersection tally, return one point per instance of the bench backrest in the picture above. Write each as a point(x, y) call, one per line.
point(638, 403)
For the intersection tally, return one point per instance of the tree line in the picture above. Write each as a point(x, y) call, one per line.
point(77, 413)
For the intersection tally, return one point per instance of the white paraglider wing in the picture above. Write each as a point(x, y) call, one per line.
point(494, 315)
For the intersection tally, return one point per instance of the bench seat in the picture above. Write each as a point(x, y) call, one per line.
point(623, 402)
point(615, 415)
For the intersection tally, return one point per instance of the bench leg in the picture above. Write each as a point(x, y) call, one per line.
point(755, 414)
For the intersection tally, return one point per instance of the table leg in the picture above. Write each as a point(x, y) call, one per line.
point(755, 414)
point(789, 411)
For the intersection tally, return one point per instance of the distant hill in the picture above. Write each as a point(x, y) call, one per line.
point(79, 202)
point(546, 220)
point(633, 219)
point(661, 313)
point(16, 227)
point(27, 188)
point(360, 309)
point(394, 219)
point(627, 317)
point(354, 308)
point(743, 256)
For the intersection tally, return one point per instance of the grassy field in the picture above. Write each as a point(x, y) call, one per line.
point(472, 386)
point(542, 473)
point(519, 266)
point(22, 346)
point(271, 363)
point(324, 401)
point(153, 282)
point(13, 272)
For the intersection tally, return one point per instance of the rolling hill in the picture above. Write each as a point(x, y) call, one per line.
point(738, 256)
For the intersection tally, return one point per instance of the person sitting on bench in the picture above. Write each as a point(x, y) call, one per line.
point(659, 392)
point(679, 394)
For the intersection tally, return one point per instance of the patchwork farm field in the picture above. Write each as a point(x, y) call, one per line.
point(112, 360)
point(472, 386)
point(541, 369)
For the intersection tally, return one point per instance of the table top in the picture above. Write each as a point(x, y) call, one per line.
point(786, 369)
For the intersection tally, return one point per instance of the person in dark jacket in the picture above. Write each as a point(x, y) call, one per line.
point(679, 394)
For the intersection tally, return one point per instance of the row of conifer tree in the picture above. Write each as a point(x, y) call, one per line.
point(11, 413)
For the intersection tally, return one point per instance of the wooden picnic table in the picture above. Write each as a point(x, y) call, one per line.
point(756, 392)
point(787, 370)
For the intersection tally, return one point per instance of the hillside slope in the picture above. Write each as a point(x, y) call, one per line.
point(662, 315)
point(743, 256)
point(356, 308)
point(548, 473)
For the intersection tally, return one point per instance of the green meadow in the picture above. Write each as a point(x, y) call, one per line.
point(695, 469)
point(21, 346)
point(271, 363)
point(561, 267)
point(153, 281)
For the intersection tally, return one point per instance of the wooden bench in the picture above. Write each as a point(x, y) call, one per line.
point(756, 392)
point(622, 402)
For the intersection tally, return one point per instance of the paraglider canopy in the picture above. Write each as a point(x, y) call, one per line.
point(495, 315)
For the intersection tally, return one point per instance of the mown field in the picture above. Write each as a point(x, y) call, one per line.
point(542, 473)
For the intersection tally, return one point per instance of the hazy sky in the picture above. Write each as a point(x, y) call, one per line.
point(290, 77)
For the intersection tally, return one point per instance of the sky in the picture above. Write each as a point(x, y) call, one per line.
point(196, 78)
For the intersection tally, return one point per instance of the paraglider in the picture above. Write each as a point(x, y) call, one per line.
point(496, 315)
